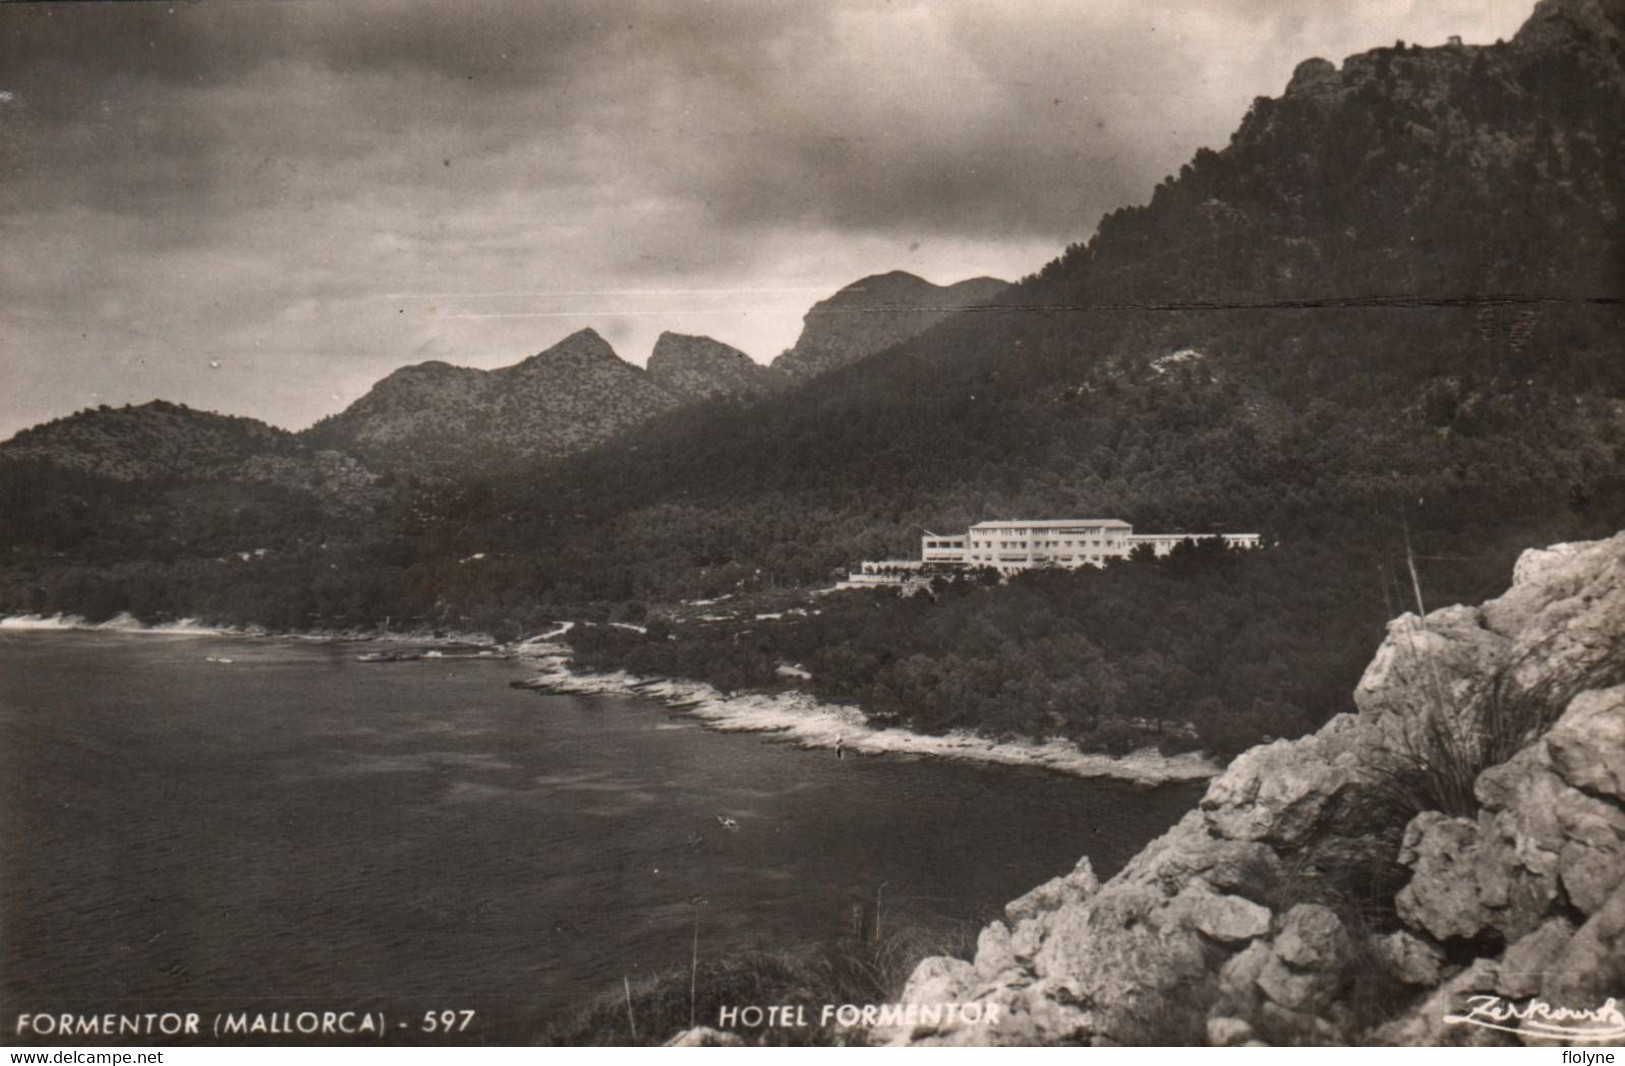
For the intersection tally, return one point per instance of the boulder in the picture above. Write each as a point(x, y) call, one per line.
point(1428, 1023)
point(1300, 991)
point(1050, 1012)
point(1589, 969)
point(1429, 670)
point(1228, 1032)
point(1238, 978)
point(1565, 612)
point(940, 979)
point(1025, 940)
point(1536, 835)
point(1192, 851)
point(1312, 937)
point(1275, 793)
point(1055, 893)
point(1526, 963)
point(1410, 959)
point(995, 953)
point(1587, 746)
point(1229, 919)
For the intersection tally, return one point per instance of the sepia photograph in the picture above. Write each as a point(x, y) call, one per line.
point(852, 523)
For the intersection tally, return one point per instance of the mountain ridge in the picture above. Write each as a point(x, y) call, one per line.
point(875, 313)
point(701, 368)
point(434, 417)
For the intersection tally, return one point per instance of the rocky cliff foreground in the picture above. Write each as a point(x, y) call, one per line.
point(1462, 835)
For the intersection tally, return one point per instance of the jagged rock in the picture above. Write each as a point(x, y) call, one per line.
point(1432, 670)
point(1591, 966)
point(1587, 747)
point(1544, 849)
point(940, 979)
point(1566, 615)
point(1579, 970)
point(1192, 851)
point(1240, 866)
point(1312, 937)
point(1295, 990)
point(1464, 884)
point(1410, 959)
point(1228, 1032)
point(1238, 978)
point(1121, 948)
point(1025, 940)
point(704, 1036)
point(994, 951)
point(1274, 793)
point(1592, 860)
point(1427, 1024)
point(1534, 834)
point(1055, 893)
point(1525, 964)
point(1305, 967)
point(1226, 918)
point(1049, 1012)
point(1548, 828)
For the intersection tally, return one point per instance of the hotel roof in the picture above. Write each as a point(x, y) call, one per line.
point(1051, 523)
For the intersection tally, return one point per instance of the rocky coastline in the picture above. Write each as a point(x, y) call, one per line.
point(800, 719)
point(1444, 866)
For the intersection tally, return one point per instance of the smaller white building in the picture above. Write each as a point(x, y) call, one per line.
point(935, 548)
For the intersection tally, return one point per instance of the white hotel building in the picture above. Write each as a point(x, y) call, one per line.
point(1022, 544)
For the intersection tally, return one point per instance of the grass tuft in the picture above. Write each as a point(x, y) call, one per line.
point(859, 969)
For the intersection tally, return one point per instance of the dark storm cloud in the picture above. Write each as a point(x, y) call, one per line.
point(247, 183)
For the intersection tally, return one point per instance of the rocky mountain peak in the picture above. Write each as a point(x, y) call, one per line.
point(1312, 74)
point(1558, 23)
point(699, 367)
point(584, 345)
point(441, 418)
point(873, 314)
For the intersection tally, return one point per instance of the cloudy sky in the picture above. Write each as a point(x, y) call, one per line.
point(262, 206)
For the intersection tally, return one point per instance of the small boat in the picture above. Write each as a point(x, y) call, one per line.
point(388, 657)
point(686, 705)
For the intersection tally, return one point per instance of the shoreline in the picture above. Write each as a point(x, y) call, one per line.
point(797, 716)
point(809, 723)
point(125, 623)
